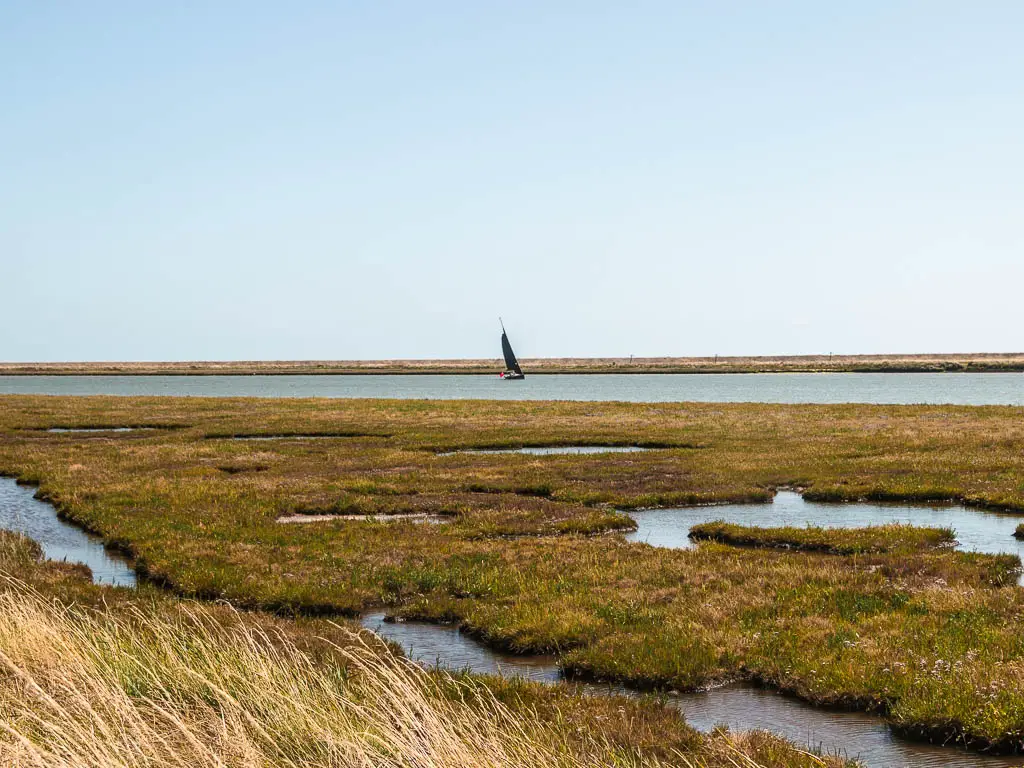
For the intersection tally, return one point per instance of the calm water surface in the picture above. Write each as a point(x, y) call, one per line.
point(21, 512)
point(91, 429)
point(446, 646)
point(553, 450)
point(976, 530)
point(907, 388)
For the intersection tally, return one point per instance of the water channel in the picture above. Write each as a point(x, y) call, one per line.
point(739, 706)
point(21, 512)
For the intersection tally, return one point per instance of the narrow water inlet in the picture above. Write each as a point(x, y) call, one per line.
point(740, 706)
point(447, 646)
point(22, 513)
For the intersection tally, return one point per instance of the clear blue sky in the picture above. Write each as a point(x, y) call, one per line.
point(239, 180)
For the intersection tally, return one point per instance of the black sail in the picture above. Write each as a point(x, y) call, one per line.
point(510, 357)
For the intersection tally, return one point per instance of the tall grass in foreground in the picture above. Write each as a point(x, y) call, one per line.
point(88, 688)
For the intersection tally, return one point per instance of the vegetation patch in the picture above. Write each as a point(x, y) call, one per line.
point(894, 537)
point(235, 469)
point(289, 435)
point(543, 491)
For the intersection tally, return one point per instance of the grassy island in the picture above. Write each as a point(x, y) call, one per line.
point(893, 537)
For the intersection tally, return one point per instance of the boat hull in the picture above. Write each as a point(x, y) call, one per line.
point(512, 376)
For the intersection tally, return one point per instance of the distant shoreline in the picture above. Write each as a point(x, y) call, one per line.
point(937, 363)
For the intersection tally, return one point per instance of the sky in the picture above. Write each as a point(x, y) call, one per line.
point(363, 180)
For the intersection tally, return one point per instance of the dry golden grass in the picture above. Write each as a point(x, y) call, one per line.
point(87, 688)
point(83, 689)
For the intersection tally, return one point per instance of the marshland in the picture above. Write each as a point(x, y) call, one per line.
point(530, 553)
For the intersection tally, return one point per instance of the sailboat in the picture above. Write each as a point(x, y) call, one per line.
point(512, 370)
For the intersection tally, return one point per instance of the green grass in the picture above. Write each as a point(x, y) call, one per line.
point(894, 537)
point(531, 559)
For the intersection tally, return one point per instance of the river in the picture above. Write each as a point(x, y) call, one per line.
point(890, 388)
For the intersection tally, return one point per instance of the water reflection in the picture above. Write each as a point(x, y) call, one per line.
point(60, 540)
point(549, 450)
point(976, 530)
point(448, 647)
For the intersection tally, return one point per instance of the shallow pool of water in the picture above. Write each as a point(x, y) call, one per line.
point(448, 647)
point(976, 530)
point(92, 429)
point(20, 511)
point(550, 450)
